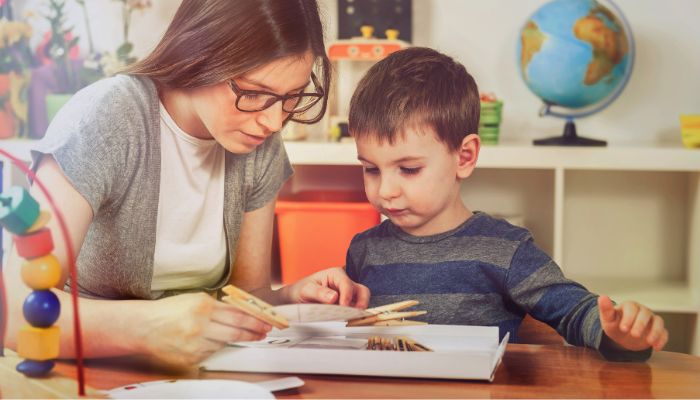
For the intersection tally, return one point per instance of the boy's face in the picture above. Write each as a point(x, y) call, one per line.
point(416, 181)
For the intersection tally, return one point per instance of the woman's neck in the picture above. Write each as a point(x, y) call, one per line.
point(178, 104)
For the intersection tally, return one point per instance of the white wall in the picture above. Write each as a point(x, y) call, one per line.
point(105, 21)
point(482, 34)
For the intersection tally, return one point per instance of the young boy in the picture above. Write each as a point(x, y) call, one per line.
point(414, 117)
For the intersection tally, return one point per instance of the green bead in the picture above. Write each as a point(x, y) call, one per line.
point(18, 210)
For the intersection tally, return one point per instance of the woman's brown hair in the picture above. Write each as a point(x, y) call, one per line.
point(211, 41)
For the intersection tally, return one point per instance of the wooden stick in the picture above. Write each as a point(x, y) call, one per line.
point(384, 317)
point(254, 306)
point(393, 307)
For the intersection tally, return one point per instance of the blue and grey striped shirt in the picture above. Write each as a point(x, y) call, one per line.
point(484, 272)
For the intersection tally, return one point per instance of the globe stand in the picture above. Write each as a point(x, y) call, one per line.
point(569, 138)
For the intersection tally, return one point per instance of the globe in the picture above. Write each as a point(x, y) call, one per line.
point(577, 56)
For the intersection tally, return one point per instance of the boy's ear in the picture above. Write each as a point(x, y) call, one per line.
point(467, 154)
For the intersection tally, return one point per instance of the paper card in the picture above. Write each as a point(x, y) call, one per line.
point(317, 342)
point(332, 343)
point(191, 389)
point(319, 312)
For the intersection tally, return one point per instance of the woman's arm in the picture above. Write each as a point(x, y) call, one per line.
point(100, 320)
point(178, 330)
point(251, 269)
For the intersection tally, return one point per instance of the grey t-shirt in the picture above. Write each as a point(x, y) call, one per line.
point(106, 140)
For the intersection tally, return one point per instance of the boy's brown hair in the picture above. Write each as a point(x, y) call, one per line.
point(415, 87)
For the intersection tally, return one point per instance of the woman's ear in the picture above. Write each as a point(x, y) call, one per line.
point(468, 153)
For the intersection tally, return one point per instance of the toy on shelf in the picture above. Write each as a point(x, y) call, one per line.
point(365, 49)
point(690, 130)
point(37, 342)
point(490, 120)
point(351, 58)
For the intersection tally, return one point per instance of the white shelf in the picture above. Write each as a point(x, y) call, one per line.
point(624, 220)
point(659, 296)
point(527, 156)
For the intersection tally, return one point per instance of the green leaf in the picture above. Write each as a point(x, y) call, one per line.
point(124, 50)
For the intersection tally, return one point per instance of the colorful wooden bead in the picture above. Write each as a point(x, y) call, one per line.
point(35, 244)
point(41, 221)
point(42, 273)
point(41, 308)
point(18, 210)
point(35, 368)
point(38, 344)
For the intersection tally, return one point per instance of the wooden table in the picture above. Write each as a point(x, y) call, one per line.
point(526, 371)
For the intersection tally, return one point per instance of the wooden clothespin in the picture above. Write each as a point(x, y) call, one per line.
point(254, 306)
point(382, 315)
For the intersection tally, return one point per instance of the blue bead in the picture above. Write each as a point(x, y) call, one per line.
point(35, 368)
point(41, 308)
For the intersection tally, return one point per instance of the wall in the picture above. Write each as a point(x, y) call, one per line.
point(482, 35)
point(105, 18)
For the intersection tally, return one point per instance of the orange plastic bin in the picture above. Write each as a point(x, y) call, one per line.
point(315, 229)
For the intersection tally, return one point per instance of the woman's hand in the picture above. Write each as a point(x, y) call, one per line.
point(183, 330)
point(329, 286)
point(631, 325)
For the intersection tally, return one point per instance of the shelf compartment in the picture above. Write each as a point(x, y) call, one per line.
point(659, 296)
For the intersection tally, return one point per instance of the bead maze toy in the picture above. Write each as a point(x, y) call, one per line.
point(38, 342)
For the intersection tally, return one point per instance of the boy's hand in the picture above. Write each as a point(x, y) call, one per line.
point(329, 286)
point(631, 325)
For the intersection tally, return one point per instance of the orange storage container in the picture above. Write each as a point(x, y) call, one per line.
point(315, 229)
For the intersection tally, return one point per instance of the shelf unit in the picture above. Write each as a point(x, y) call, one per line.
point(622, 220)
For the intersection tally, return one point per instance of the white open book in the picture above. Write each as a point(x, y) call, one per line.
point(458, 352)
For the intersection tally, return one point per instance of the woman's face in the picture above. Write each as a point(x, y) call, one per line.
point(241, 132)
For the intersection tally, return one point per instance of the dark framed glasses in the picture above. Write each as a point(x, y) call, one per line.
point(257, 100)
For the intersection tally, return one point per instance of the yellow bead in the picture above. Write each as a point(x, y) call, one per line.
point(42, 273)
point(38, 343)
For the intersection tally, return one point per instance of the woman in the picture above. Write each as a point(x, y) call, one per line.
point(167, 176)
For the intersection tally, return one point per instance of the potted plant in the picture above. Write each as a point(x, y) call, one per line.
point(57, 48)
point(16, 59)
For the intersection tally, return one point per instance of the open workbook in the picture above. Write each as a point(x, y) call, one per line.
point(334, 339)
point(453, 351)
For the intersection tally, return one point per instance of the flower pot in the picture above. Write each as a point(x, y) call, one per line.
point(54, 102)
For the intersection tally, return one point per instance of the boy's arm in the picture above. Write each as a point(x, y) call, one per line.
point(536, 284)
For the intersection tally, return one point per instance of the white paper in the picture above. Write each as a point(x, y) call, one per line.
point(319, 312)
point(459, 352)
point(191, 389)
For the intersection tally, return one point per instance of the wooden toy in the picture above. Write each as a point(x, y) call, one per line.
point(382, 315)
point(38, 344)
point(39, 341)
point(18, 210)
point(41, 273)
point(254, 306)
point(20, 214)
point(35, 244)
point(41, 308)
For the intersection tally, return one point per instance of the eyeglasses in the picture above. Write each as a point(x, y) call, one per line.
point(255, 100)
